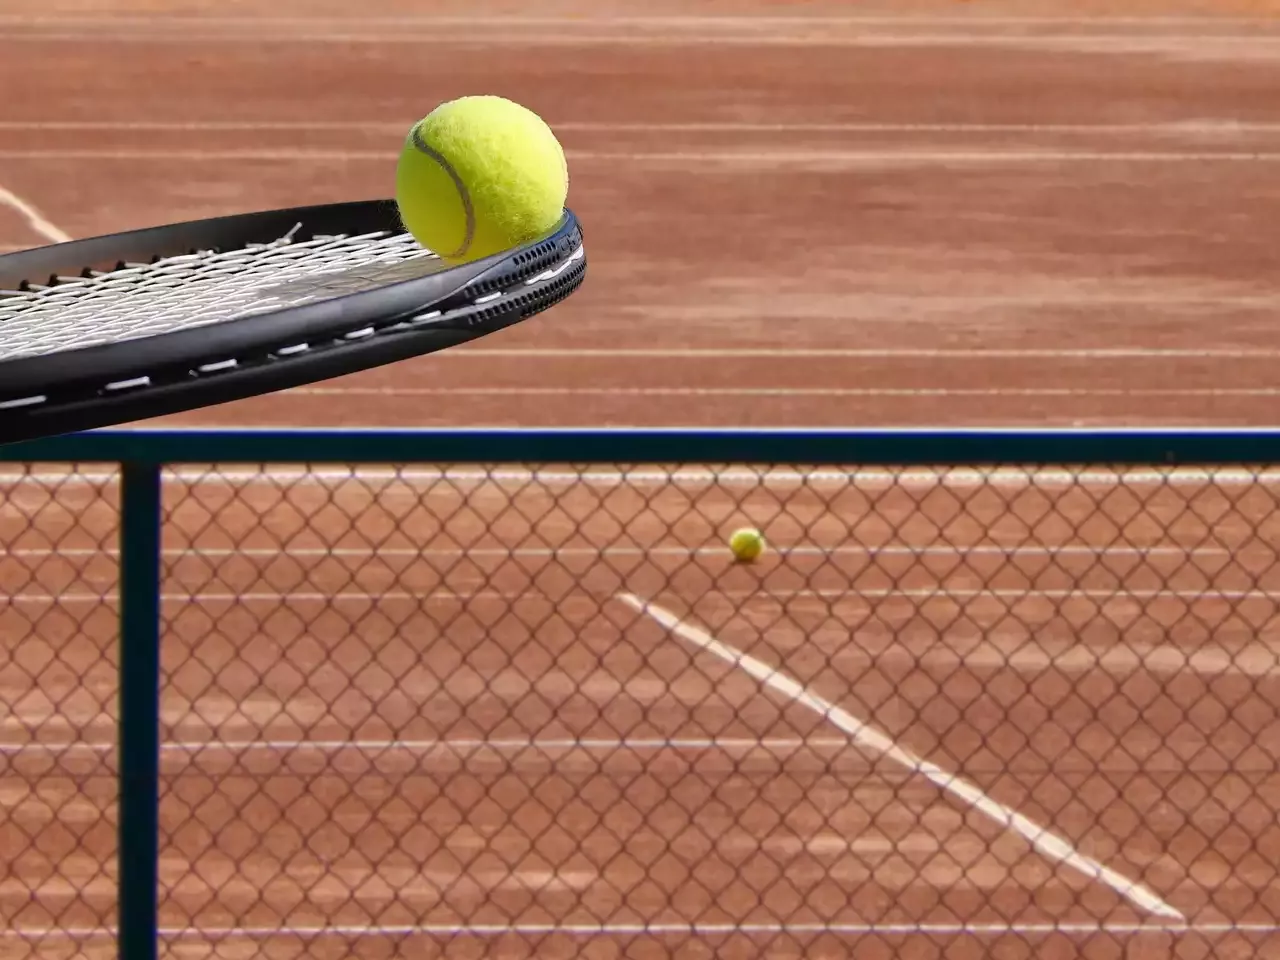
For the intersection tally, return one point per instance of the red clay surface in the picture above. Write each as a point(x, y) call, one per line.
point(1126, 200)
point(917, 213)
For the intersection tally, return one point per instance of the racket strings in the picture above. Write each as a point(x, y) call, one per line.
point(553, 284)
point(192, 290)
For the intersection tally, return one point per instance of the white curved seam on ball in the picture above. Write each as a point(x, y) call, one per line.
point(421, 145)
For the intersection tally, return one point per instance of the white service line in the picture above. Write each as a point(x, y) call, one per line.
point(34, 218)
point(1047, 843)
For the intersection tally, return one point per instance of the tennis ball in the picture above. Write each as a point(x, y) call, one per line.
point(480, 175)
point(747, 544)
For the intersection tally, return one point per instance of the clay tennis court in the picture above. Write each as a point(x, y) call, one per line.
point(500, 713)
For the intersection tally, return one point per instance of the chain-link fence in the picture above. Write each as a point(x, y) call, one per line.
point(515, 711)
point(58, 681)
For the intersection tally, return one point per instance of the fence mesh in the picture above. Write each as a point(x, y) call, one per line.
point(539, 711)
point(58, 682)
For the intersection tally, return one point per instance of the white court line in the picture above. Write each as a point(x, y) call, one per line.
point(958, 593)
point(1198, 126)
point(34, 218)
point(783, 747)
point(1261, 354)
point(776, 744)
point(768, 479)
point(1048, 844)
point(1036, 299)
point(623, 391)
point(429, 595)
point(1090, 929)
point(306, 34)
point(801, 157)
point(622, 21)
point(782, 551)
point(774, 158)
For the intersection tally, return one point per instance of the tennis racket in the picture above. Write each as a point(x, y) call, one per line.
point(137, 325)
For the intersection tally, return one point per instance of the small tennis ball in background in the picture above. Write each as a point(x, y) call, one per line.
point(480, 175)
point(747, 544)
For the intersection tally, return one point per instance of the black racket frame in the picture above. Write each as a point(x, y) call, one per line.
point(155, 376)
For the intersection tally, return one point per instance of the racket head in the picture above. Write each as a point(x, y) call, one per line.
point(156, 321)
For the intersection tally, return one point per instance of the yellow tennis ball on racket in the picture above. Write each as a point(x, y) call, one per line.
point(478, 176)
point(747, 544)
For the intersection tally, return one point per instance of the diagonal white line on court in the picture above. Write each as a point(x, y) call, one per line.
point(34, 218)
point(1048, 844)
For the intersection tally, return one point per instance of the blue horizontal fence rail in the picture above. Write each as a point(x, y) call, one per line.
point(872, 447)
point(140, 457)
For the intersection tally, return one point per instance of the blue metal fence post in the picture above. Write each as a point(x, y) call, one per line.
point(139, 733)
